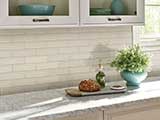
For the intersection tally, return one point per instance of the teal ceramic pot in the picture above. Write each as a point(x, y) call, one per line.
point(36, 9)
point(134, 79)
point(117, 7)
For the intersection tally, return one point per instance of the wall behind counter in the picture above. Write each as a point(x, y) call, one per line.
point(34, 59)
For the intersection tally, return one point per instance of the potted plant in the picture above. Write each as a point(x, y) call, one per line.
point(133, 64)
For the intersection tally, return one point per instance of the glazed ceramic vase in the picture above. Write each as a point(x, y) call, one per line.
point(117, 7)
point(133, 79)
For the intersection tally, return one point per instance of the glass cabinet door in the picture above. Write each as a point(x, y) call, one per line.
point(39, 12)
point(112, 11)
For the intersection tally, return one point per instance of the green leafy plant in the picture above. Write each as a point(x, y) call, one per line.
point(131, 59)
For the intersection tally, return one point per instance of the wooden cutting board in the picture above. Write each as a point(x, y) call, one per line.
point(75, 92)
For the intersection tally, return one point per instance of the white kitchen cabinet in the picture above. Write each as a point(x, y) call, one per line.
point(66, 13)
point(141, 113)
point(134, 13)
point(87, 116)
point(70, 13)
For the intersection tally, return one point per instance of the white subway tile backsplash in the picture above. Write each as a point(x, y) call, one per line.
point(36, 59)
point(32, 45)
point(35, 73)
point(80, 69)
point(57, 44)
point(5, 53)
point(79, 56)
point(12, 60)
point(69, 50)
point(76, 76)
point(32, 57)
point(24, 67)
point(47, 51)
point(13, 46)
point(59, 57)
point(24, 53)
point(47, 65)
point(11, 75)
point(6, 69)
point(75, 63)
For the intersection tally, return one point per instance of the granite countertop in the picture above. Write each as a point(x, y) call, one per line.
point(50, 104)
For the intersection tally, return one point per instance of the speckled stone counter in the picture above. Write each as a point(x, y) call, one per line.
point(50, 104)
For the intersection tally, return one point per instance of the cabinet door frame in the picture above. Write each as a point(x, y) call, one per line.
point(6, 20)
point(86, 19)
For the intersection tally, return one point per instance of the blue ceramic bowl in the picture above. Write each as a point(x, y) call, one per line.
point(37, 9)
point(134, 79)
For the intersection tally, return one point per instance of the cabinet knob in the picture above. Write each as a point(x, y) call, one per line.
point(40, 20)
point(114, 19)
